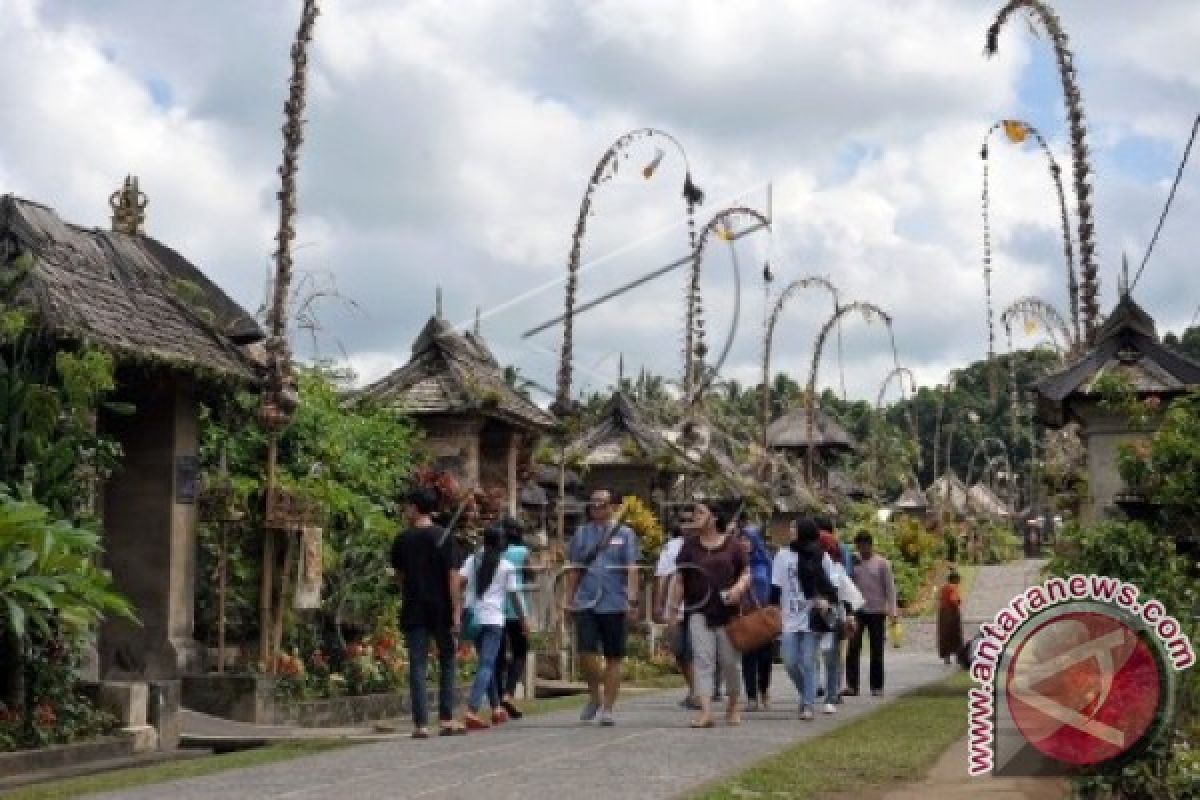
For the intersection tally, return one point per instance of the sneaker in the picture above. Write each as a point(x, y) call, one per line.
point(806, 714)
point(829, 708)
point(589, 711)
point(877, 693)
point(606, 719)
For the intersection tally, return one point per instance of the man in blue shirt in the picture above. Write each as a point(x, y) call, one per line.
point(602, 582)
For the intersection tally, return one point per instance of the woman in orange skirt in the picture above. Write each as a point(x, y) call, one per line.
point(949, 618)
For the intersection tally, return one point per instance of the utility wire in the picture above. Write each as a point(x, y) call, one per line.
point(1170, 197)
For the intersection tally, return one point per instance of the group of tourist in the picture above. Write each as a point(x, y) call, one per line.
point(715, 569)
point(718, 567)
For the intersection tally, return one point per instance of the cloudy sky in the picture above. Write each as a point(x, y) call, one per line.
point(449, 144)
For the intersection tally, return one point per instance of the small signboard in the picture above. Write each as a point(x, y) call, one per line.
point(187, 479)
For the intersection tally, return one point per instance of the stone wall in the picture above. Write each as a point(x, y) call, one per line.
point(1103, 433)
point(251, 698)
point(149, 511)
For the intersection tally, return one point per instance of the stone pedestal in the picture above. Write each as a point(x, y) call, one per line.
point(149, 516)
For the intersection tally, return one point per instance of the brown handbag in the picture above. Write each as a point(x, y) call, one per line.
point(752, 629)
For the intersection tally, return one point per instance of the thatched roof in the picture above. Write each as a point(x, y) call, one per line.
point(1126, 344)
point(622, 437)
point(843, 484)
point(950, 492)
point(982, 500)
point(454, 372)
point(911, 500)
point(791, 432)
point(128, 294)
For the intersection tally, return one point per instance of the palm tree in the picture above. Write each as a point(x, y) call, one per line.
point(1080, 162)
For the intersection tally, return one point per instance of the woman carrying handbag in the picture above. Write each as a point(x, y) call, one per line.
point(756, 662)
point(712, 577)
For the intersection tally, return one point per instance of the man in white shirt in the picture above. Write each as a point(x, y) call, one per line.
point(677, 636)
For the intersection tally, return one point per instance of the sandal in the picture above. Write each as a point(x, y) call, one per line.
point(420, 733)
point(696, 723)
point(511, 708)
point(452, 730)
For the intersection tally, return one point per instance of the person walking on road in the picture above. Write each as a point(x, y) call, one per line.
point(514, 650)
point(949, 618)
point(490, 582)
point(756, 664)
point(602, 584)
point(423, 559)
point(802, 573)
point(873, 577)
point(674, 618)
point(712, 577)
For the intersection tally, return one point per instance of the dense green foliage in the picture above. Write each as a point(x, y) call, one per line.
point(53, 592)
point(351, 459)
point(1166, 470)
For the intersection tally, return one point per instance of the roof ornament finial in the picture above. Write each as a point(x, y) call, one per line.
point(620, 370)
point(129, 208)
point(1124, 287)
point(478, 329)
point(437, 308)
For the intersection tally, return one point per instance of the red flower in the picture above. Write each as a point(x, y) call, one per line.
point(44, 715)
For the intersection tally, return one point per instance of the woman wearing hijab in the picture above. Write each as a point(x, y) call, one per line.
point(756, 664)
point(802, 574)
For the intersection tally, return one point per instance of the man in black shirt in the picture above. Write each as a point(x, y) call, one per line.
point(423, 559)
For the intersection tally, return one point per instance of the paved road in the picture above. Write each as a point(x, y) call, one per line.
point(651, 753)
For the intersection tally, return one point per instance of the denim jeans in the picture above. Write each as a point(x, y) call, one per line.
point(833, 669)
point(800, 661)
point(487, 645)
point(418, 660)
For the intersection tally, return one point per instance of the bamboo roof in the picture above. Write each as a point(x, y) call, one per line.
point(623, 437)
point(1127, 344)
point(126, 293)
point(454, 372)
point(790, 431)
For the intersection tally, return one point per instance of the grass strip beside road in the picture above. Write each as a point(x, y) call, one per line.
point(899, 742)
point(173, 770)
point(135, 777)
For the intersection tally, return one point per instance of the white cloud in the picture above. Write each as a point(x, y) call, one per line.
point(449, 144)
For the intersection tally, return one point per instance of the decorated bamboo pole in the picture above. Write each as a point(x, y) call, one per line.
point(695, 349)
point(280, 398)
point(604, 171)
point(1018, 131)
point(899, 373)
point(1080, 158)
point(869, 311)
point(788, 292)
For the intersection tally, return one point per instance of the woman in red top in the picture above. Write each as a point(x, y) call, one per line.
point(949, 618)
point(712, 575)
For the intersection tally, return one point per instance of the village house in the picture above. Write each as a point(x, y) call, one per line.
point(476, 425)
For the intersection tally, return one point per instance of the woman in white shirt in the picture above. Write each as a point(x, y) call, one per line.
point(803, 575)
point(489, 579)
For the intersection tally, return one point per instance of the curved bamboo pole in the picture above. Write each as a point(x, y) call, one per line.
point(788, 292)
point(694, 347)
point(900, 373)
point(1020, 129)
point(869, 311)
point(1080, 159)
point(1028, 309)
point(605, 169)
